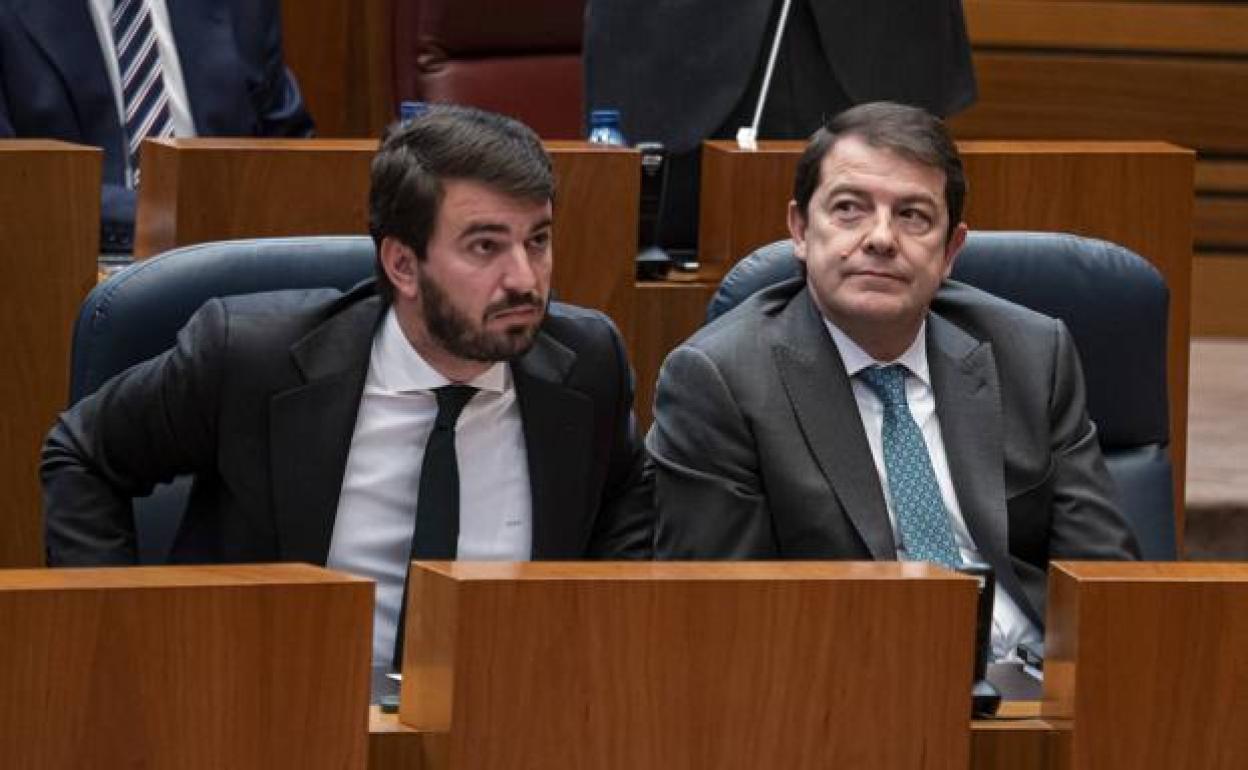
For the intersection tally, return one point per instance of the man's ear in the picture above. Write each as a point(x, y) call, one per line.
point(797, 230)
point(957, 239)
point(399, 262)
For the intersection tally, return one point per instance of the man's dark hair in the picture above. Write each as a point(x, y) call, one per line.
point(910, 132)
point(448, 142)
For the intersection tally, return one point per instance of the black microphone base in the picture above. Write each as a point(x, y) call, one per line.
point(985, 699)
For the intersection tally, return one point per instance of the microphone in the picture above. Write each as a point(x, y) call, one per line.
point(747, 135)
point(985, 698)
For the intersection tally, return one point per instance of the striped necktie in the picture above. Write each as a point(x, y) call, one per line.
point(144, 98)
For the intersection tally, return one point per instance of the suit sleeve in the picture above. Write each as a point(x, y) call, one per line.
point(279, 103)
point(149, 424)
point(707, 480)
point(624, 527)
point(1086, 521)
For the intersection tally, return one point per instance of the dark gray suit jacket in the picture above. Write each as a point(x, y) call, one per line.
point(761, 453)
point(259, 401)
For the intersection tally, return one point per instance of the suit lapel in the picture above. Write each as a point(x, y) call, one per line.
point(968, 403)
point(311, 426)
point(66, 34)
point(814, 379)
point(558, 435)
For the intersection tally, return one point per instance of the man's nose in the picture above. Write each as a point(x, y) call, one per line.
point(882, 237)
point(518, 272)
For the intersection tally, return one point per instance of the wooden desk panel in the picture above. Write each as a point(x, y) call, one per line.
point(50, 229)
point(197, 190)
point(184, 667)
point(1018, 742)
point(1147, 662)
point(690, 665)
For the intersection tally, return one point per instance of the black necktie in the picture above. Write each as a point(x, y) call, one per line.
point(436, 535)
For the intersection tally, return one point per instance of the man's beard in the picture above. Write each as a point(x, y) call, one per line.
point(457, 335)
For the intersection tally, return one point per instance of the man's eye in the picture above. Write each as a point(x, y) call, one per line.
point(483, 248)
point(539, 242)
point(846, 207)
point(916, 219)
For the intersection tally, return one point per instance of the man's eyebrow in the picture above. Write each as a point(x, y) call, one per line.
point(476, 228)
point(845, 187)
point(923, 197)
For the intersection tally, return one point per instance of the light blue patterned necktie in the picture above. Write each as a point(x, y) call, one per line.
point(921, 515)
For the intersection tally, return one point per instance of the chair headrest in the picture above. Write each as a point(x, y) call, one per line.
point(137, 312)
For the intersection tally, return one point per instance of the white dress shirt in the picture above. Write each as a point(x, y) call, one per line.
point(175, 86)
point(1009, 625)
point(377, 505)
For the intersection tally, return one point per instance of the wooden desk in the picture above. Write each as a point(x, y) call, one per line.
point(197, 668)
point(1147, 663)
point(1020, 741)
point(50, 231)
point(1138, 194)
point(197, 190)
point(730, 665)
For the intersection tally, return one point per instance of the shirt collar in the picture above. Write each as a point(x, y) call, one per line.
point(856, 359)
point(396, 367)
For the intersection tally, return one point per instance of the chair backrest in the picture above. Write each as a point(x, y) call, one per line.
point(1114, 303)
point(137, 313)
point(520, 59)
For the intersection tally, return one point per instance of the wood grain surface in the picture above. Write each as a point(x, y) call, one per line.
point(50, 231)
point(205, 667)
point(1146, 662)
point(691, 665)
point(341, 52)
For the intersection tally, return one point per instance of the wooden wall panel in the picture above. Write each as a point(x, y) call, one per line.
point(1107, 26)
point(1129, 69)
point(341, 54)
point(1220, 295)
point(1039, 95)
point(49, 234)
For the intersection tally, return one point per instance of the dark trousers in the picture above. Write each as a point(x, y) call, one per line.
point(804, 95)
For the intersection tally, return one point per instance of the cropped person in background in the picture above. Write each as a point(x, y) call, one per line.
point(874, 409)
point(445, 410)
point(681, 71)
point(110, 73)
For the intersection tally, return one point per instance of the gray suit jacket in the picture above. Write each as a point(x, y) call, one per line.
point(760, 450)
point(258, 400)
